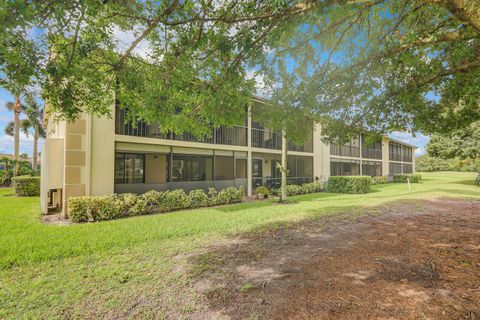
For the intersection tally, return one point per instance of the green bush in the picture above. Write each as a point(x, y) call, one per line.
point(379, 180)
point(198, 198)
point(402, 178)
point(312, 187)
point(305, 188)
point(26, 186)
point(262, 190)
point(477, 180)
point(293, 190)
point(349, 184)
point(113, 206)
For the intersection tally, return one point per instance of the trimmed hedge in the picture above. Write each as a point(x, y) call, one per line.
point(349, 184)
point(293, 189)
point(402, 178)
point(26, 186)
point(379, 180)
point(113, 206)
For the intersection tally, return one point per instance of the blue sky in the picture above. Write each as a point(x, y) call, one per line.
point(26, 143)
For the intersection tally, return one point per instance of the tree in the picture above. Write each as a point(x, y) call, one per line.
point(34, 120)
point(462, 144)
point(383, 65)
point(375, 64)
point(18, 60)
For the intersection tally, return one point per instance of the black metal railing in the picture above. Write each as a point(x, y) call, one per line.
point(344, 150)
point(306, 147)
point(371, 153)
point(266, 139)
point(236, 135)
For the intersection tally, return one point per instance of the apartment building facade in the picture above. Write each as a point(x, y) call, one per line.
point(102, 155)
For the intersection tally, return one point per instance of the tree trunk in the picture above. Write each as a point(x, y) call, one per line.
point(16, 136)
point(35, 149)
point(467, 11)
point(283, 193)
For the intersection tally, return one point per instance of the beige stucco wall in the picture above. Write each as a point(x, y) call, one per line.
point(155, 168)
point(101, 154)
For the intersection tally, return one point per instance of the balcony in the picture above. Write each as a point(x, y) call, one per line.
point(371, 153)
point(306, 147)
point(344, 150)
point(266, 139)
point(234, 136)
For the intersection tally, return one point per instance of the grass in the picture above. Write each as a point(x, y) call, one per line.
point(132, 267)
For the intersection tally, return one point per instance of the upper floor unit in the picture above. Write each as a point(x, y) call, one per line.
point(261, 136)
point(361, 148)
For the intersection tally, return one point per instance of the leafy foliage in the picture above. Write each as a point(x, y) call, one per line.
point(379, 180)
point(403, 178)
point(26, 186)
point(349, 184)
point(262, 190)
point(113, 206)
point(431, 164)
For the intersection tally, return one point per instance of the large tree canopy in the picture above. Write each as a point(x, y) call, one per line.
point(382, 65)
point(376, 65)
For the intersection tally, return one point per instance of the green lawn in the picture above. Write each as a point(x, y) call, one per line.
point(129, 267)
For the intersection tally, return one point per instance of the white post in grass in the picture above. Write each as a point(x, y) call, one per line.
point(409, 187)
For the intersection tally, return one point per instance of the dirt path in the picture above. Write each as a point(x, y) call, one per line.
point(419, 260)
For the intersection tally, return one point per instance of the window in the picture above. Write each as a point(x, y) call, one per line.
point(240, 168)
point(371, 168)
point(372, 150)
point(257, 168)
point(407, 153)
point(395, 151)
point(351, 149)
point(223, 168)
point(191, 168)
point(344, 167)
point(129, 168)
point(395, 168)
point(407, 168)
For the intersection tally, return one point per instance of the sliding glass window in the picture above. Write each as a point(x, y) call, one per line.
point(344, 167)
point(129, 168)
point(192, 168)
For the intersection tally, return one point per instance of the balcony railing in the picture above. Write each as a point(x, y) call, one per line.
point(371, 153)
point(266, 139)
point(306, 147)
point(236, 136)
point(407, 158)
point(345, 151)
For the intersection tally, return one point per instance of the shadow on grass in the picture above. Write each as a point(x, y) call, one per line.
point(468, 182)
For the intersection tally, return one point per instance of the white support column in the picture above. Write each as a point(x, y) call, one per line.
point(249, 152)
point(385, 157)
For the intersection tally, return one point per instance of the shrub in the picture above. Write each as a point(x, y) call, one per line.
point(26, 186)
point(312, 187)
point(402, 178)
point(293, 190)
point(262, 190)
point(198, 198)
point(379, 180)
point(230, 195)
point(349, 184)
point(477, 180)
point(107, 207)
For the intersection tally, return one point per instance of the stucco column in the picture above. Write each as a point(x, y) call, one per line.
point(249, 152)
point(385, 160)
point(317, 152)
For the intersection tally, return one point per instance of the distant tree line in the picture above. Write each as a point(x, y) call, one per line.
point(456, 151)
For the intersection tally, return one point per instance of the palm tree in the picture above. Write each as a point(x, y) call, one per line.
point(16, 108)
point(34, 119)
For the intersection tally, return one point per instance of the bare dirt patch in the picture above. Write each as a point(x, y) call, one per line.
point(417, 260)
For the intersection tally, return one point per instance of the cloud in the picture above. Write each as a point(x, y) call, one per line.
point(125, 38)
point(419, 140)
point(420, 151)
point(26, 143)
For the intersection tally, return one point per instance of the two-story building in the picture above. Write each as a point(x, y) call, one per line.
point(104, 155)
